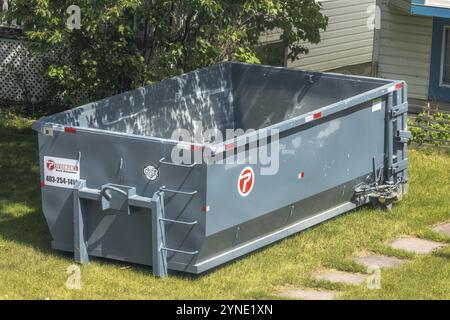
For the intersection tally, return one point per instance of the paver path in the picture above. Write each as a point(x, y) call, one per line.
point(308, 294)
point(340, 276)
point(380, 261)
point(443, 229)
point(415, 245)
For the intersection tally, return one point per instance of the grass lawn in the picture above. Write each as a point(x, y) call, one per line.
point(29, 269)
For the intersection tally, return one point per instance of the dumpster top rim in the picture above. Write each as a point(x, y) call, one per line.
point(386, 86)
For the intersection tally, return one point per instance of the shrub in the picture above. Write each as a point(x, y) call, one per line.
point(129, 43)
point(437, 121)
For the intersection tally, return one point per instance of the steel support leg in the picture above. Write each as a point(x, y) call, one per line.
point(158, 236)
point(79, 223)
point(159, 252)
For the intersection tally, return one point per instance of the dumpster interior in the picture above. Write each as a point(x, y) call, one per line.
point(224, 96)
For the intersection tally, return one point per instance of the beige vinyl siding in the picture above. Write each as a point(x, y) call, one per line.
point(347, 41)
point(404, 5)
point(403, 48)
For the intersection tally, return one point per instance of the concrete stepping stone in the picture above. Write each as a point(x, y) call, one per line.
point(308, 294)
point(380, 261)
point(341, 277)
point(415, 245)
point(443, 229)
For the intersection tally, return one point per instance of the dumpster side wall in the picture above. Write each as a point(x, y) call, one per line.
point(319, 164)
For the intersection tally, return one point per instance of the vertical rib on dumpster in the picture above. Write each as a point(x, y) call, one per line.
point(389, 138)
point(159, 255)
point(80, 247)
point(405, 145)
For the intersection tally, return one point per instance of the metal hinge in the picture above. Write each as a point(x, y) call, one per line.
point(399, 166)
point(400, 109)
point(403, 136)
point(47, 131)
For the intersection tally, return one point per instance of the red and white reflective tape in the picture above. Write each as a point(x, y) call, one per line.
point(196, 148)
point(396, 87)
point(301, 175)
point(70, 130)
point(190, 147)
point(229, 146)
point(314, 116)
point(206, 209)
point(223, 148)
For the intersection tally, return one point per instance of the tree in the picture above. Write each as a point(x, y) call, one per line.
point(123, 44)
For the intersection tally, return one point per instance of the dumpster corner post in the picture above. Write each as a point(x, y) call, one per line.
point(158, 254)
point(79, 220)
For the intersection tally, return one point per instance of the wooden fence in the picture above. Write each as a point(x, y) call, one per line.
point(427, 121)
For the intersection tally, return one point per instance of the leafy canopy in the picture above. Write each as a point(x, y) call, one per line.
point(123, 44)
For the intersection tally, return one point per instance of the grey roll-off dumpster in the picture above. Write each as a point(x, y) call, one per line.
point(111, 188)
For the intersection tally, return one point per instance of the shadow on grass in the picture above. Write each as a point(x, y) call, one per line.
point(21, 219)
point(29, 229)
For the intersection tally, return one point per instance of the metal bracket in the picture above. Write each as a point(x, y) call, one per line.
point(47, 131)
point(399, 109)
point(186, 223)
point(186, 193)
point(192, 253)
point(122, 198)
point(116, 197)
point(399, 166)
point(403, 136)
point(163, 161)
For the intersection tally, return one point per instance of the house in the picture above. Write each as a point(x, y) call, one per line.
point(413, 44)
point(346, 45)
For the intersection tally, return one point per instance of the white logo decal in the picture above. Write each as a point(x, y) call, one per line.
point(151, 172)
point(61, 172)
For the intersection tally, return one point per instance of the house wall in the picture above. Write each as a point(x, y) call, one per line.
point(348, 39)
point(402, 48)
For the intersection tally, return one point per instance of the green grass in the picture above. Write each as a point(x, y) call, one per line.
point(29, 269)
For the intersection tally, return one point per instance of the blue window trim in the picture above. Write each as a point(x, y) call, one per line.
point(418, 7)
point(437, 92)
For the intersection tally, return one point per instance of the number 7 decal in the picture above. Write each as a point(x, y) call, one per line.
point(246, 181)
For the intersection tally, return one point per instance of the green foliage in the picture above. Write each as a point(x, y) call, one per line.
point(273, 54)
point(27, 105)
point(438, 121)
point(128, 43)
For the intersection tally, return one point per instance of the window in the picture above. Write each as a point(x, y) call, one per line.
point(439, 85)
point(446, 57)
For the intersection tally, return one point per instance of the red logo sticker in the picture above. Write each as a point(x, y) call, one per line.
point(246, 181)
point(51, 165)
